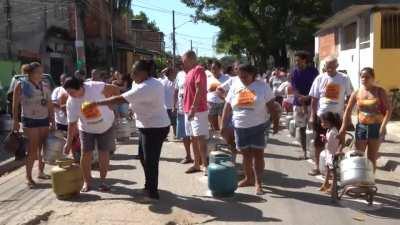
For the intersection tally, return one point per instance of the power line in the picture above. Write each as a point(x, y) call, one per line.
point(162, 10)
point(192, 36)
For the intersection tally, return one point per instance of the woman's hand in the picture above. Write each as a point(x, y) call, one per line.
point(67, 148)
point(16, 126)
point(52, 126)
point(382, 131)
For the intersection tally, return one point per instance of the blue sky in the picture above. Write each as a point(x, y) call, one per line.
point(203, 35)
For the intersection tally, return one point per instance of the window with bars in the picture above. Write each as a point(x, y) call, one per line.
point(349, 36)
point(365, 31)
point(390, 30)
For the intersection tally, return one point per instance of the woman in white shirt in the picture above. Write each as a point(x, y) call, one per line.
point(147, 98)
point(250, 101)
point(95, 125)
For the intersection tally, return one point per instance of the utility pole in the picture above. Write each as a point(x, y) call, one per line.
point(173, 39)
point(9, 29)
point(191, 45)
point(112, 35)
point(80, 38)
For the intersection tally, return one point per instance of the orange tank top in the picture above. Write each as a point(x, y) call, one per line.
point(369, 108)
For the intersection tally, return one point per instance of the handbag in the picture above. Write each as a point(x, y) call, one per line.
point(15, 144)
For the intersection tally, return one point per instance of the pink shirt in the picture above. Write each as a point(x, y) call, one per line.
point(195, 76)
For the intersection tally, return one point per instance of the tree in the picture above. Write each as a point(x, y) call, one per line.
point(142, 16)
point(261, 28)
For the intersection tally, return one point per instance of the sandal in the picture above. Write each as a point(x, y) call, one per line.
point(259, 191)
point(31, 184)
point(314, 172)
point(104, 187)
point(186, 161)
point(193, 170)
point(86, 188)
point(44, 176)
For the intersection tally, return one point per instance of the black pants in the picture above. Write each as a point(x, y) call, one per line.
point(150, 144)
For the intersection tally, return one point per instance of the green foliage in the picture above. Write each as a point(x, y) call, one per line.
point(142, 16)
point(260, 28)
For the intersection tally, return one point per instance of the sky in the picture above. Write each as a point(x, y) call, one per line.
point(203, 35)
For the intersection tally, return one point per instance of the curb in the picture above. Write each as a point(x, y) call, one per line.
point(10, 165)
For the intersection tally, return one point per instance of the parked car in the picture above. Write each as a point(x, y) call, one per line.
point(3, 99)
point(46, 78)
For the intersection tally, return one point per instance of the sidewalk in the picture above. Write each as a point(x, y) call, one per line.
point(389, 152)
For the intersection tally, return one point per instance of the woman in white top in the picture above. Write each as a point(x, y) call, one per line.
point(33, 95)
point(250, 101)
point(147, 98)
point(95, 125)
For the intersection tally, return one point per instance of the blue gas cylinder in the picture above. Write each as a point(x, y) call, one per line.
point(222, 177)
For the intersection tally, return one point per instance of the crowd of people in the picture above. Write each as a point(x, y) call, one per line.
point(236, 102)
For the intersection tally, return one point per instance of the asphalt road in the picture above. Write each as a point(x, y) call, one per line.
point(292, 197)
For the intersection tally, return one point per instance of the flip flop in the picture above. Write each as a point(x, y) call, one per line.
point(86, 189)
point(44, 176)
point(193, 170)
point(31, 184)
point(186, 161)
point(260, 191)
point(314, 172)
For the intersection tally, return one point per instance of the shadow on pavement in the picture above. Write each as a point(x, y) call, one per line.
point(274, 178)
point(276, 156)
point(172, 160)
point(273, 141)
point(121, 167)
point(235, 211)
point(84, 197)
point(128, 142)
point(387, 182)
point(124, 157)
point(318, 199)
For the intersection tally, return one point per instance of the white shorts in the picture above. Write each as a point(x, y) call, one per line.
point(198, 126)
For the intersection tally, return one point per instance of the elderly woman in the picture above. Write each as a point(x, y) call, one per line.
point(250, 101)
point(374, 111)
point(147, 98)
point(95, 125)
point(33, 95)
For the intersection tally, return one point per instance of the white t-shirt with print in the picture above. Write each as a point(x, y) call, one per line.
point(180, 86)
point(213, 82)
point(227, 84)
point(59, 115)
point(331, 92)
point(169, 88)
point(147, 98)
point(96, 123)
point(249, 103)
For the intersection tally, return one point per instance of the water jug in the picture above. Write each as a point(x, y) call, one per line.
point(132, 123)
point(292, 128)
point(355, 169)
point(53, 147)
point(66, 179)
point(309, 137)
point(222, 177)
point(123, 129)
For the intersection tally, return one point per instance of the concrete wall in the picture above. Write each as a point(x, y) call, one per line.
point(386, 61)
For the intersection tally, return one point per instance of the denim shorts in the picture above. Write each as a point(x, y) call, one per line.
point(35, 123)
point(180, 126)
point(250, 138)
point(367, 131)
point(215, 109)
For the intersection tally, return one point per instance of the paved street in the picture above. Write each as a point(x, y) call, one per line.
point(292, 197)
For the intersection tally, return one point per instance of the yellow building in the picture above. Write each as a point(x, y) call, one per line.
point(366, 35)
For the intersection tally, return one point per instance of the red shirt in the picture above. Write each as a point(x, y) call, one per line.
point(195, 76)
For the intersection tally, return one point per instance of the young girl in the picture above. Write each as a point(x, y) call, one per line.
point(332, 123)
